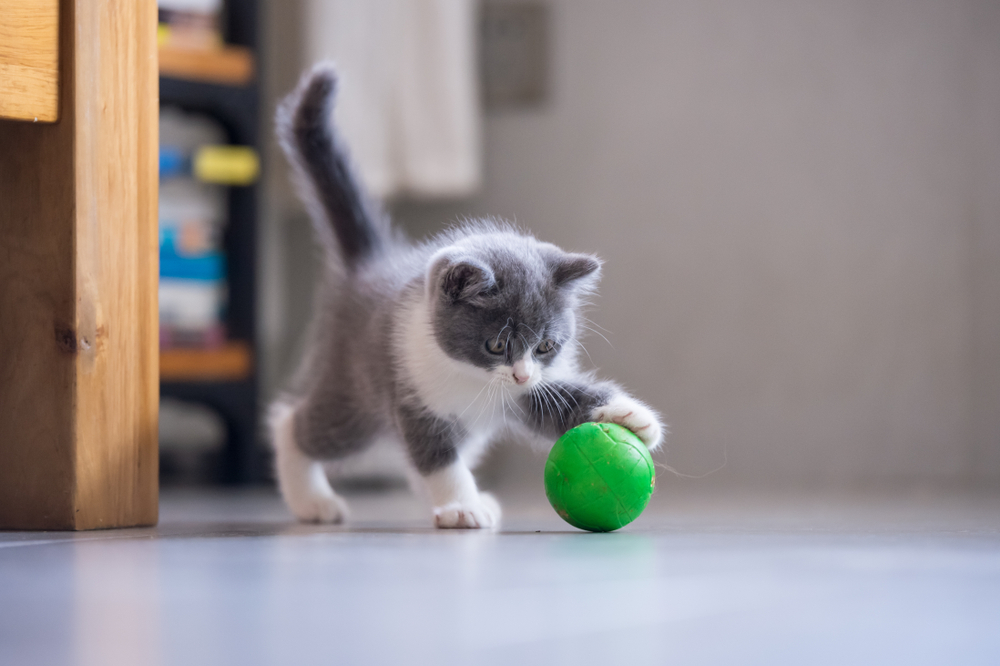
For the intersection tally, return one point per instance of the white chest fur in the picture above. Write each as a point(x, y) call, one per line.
point(450, 388)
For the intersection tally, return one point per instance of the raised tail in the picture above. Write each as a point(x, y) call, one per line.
point(345, 222)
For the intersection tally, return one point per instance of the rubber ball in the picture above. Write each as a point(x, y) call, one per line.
point(599, 477)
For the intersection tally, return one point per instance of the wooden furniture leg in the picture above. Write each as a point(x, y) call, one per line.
point(78, 281)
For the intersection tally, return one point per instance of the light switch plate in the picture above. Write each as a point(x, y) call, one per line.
point(515, 53)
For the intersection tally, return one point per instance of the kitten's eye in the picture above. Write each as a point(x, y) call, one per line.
point(546, 346)
point(496, 345)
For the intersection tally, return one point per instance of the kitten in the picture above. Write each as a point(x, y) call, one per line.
point(440, 345)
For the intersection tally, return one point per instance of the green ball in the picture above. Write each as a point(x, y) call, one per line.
point(599, 477)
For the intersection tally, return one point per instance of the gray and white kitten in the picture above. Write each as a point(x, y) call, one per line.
point(440, 346)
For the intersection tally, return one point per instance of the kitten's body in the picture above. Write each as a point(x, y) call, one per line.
point(439, 346)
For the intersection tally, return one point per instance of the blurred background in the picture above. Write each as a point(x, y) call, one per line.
point(798, 204)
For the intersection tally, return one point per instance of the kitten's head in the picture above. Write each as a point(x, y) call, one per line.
point(507, 303)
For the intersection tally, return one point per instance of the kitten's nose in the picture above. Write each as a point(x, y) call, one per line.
point(522, 372)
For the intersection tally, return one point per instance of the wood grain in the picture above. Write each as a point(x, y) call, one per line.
point(29, 60)
point(78, 271)
point(232, 65)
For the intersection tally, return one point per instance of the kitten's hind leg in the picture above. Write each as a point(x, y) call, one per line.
point(302, 480)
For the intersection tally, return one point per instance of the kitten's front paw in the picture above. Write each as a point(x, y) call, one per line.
point(317, 507)
point(484, 513)
point(632, 414)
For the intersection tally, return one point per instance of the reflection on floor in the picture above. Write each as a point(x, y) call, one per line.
point(227, 578)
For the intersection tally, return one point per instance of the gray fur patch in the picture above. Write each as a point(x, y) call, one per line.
point(432, 442)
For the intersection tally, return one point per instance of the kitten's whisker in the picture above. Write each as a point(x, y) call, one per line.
point(489, 385)
point(503, 404)
point(558, 393)
point(549, 390)
point(528, 345)
point(596, 332)
point(569, 395)
point(476, 398)
point(454, 424)
point(504, 329)
point(494, 413)
point(543, 402)
point(591, 321)
point(536, 404)
point(482, 408)
point(492, 394)
point(581, 345)
point(552, 403)
point(513, 404)
point(538, 338)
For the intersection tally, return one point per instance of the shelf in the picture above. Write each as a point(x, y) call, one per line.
point(229, 363)
point(231, 65)
point(224, 84)
point(233, 106)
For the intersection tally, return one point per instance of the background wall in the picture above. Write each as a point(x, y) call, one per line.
point(799, 207)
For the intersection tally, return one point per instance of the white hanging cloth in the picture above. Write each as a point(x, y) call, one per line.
point(408, 100)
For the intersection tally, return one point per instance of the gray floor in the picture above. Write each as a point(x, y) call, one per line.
point(710, 579)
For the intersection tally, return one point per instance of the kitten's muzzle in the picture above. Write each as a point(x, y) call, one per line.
point(522, 372)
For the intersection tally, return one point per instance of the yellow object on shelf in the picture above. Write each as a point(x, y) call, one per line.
point(226, 165)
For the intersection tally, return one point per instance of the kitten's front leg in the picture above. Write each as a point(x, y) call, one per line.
point(433, 447)
point(629, 413)
point(553, 408)
point(457, 501)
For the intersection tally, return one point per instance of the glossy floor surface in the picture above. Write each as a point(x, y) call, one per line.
point(227, 579)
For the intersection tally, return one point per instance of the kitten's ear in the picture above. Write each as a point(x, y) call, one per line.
point(462, 279)
point(582, 270)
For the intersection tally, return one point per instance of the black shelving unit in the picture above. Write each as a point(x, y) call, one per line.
point(236, 108)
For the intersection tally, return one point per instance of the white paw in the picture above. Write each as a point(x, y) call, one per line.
point(483, 513)
point(302, 481)
point(317, 507)
point(632, 414)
